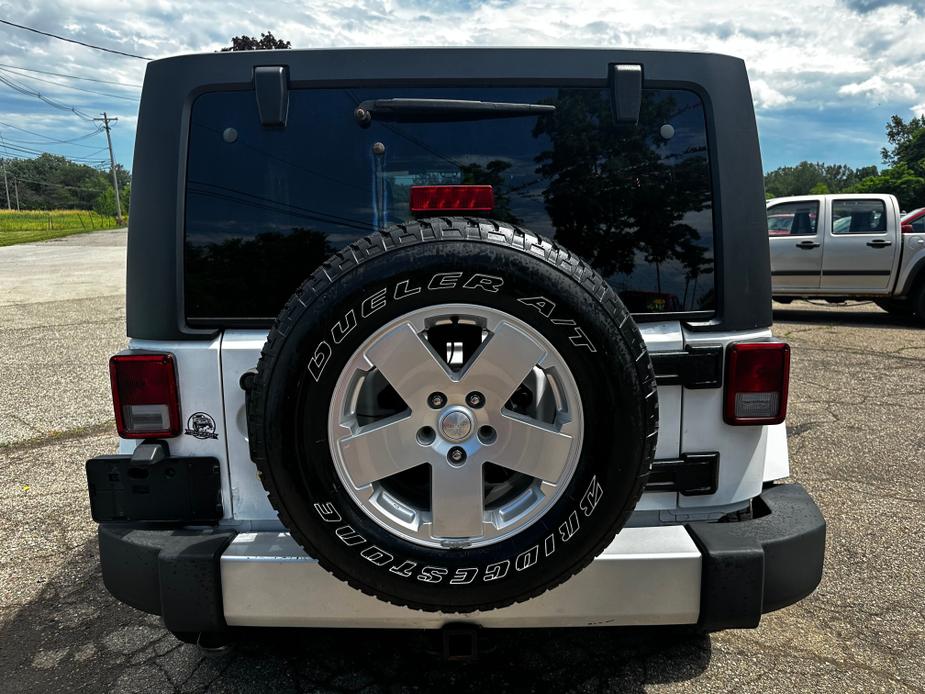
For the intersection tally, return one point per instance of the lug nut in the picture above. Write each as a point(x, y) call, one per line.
point(456, 455)
point(487, 435)
point(436, 400)
point(426, 436)
point(475, 399)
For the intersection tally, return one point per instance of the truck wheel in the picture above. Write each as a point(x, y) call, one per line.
point(918, 301)
point(896, 308)
point(453, 415)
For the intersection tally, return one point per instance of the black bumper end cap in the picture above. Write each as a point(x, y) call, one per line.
point(174, 574)
point(757, 566)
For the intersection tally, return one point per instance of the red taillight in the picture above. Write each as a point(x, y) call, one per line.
point(757, 378)
point(144, 394)
point(452, 199)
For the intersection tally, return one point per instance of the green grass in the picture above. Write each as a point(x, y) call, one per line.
point(30, 226)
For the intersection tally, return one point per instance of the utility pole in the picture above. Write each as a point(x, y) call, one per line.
point(112, 163)
point(6, 184)
point(16, 189)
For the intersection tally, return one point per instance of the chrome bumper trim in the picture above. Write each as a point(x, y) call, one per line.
point(646, 576)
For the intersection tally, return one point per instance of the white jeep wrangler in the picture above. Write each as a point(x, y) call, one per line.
point(420, 337)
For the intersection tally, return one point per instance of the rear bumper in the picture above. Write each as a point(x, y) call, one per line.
point(760, 565)
point(717, 575)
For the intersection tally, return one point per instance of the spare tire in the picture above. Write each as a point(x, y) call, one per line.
point(453, 415)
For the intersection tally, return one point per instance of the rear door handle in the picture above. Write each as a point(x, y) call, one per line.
point(807, 245)
point(879, 243)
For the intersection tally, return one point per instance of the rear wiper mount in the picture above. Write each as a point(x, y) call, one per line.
point(442, 110)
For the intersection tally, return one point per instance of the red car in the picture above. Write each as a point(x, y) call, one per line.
point(915, 219)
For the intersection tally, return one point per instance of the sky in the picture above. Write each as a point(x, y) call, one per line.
point(825, 74)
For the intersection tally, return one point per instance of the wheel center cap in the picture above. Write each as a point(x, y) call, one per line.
point(456, 425)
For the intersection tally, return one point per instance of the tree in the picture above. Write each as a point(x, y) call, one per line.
point(220, 266)
point(492, 174)
point(613, 199)
point(249, 43)
point(814, 178)
point(906, 140)
point(50, 182)
point(906, 154)
point(820, 189)
point(902, 181)
point(106, 201)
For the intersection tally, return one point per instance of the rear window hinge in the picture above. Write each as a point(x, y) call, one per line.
point(626, 93)
point(271, 85)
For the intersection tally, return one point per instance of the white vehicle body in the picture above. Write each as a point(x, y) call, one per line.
point(263, 553)
point(820, 248)
point(224, 229)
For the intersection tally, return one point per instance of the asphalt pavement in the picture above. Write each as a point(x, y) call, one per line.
point(62, 315)
point(857, 437)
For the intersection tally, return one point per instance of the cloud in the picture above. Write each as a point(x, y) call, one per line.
point(766, 97)
point(813, 55)
point(866, 6)
point(880, 89)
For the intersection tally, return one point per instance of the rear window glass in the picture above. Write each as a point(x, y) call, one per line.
point(265, 206)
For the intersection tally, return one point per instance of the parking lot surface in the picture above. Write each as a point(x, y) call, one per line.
point(857, 437)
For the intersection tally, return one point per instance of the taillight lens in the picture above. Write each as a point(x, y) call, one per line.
point(144, 394)
point(452, 198)
point(757, 379)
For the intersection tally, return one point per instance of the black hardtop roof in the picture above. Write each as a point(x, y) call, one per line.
point(454, 62)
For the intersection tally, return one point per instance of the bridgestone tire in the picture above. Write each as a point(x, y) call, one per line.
point(581, 316)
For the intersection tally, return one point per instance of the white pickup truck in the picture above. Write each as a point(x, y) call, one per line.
point(846, 246)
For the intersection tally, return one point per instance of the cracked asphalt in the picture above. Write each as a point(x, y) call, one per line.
point(857, 437)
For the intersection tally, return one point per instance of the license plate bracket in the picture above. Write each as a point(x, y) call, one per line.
point(170, 489)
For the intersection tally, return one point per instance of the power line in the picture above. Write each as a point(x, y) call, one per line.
point(79, 43)
point(47, 143)
point(97, 131)
point(68, 86)
point(71, 77)
point(48, 100)
point(37, 152)
point(16, 149)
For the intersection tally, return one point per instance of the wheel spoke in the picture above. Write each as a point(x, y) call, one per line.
point(530, 447)
point(502, 363)
point(381, 449)
point(456, 499)
point(409, 364)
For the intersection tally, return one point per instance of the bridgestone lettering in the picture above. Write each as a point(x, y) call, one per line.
point(435, 574)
